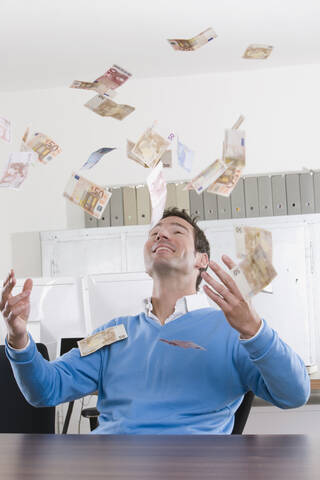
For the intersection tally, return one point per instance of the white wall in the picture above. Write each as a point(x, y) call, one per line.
point(281, 108)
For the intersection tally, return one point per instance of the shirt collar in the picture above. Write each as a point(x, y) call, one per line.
point(188, 303)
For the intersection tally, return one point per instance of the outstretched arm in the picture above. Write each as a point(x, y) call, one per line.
point(266, 364)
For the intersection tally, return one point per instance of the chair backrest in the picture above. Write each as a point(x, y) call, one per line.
point(67, 344)
point(16, 414)
point(241, 415)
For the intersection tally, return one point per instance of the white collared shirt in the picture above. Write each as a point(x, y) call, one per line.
point(184, 305)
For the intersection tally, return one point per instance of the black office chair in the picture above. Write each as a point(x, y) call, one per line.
point(17, 415)
point(242, 414)
point(67, 344)
point(240, 417)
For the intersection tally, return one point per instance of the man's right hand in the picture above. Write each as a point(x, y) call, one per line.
point(16, 310)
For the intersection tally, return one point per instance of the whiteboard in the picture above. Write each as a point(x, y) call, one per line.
point(286, 309)
point(114, 295)
point(57, 310)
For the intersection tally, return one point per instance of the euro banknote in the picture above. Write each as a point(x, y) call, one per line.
point(45, 147)
point(113, 78)
point(16, 170)
point(258, 51)
point(193, 43)
point(150, 147)
point(5, 130)
point(130, 155)
point(91, 197)
point(105, 107)
point(101, 339)
point(94, 86)
point(182, 344)
point(95, 157)
point(158, 193)
point(254, 273)
point(185, 156)
point(207, 177)
point(234, 151)
point(226, 183)
point(248, 238)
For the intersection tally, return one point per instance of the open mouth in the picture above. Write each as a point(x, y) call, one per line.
point(164, 248)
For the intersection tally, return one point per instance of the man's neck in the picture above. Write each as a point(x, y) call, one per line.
point(165, 294)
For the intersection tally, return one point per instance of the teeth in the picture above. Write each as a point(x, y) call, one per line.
point(163, 248)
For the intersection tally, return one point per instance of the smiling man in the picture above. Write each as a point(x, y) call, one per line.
point(184, 366)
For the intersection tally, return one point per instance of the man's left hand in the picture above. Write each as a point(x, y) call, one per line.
point(227, 296)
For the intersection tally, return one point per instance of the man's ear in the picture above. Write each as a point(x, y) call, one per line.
point(202, 260)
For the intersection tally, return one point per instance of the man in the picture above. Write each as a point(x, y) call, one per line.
point(184, 367)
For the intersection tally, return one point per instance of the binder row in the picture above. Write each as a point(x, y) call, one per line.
point(254, 196)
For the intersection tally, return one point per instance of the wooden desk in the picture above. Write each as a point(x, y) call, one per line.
point(315, 381)
point(159, 457)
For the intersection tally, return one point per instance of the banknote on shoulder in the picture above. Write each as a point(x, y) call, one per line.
point(101, 339)
point(91, 197)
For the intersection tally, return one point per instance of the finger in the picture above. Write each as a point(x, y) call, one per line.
point(221, 289)
point(5, 282)
point(216, 298)
point(27, 286)
point(228, 262)
point(6, 292)
point(225, 278)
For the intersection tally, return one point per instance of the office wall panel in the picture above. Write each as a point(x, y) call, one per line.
point(143, 205)
point(224, 207)
point(130, 206)
point(307, 193)
point(116, 207)
point(196, 205)
point(252, 196)
point(210, 206)
point(238, 209)
point(104, 221)
point(279, 196)
point(293, 193)
point(89, 221)
point(265, 196)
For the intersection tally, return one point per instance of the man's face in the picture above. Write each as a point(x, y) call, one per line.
point(170, 246)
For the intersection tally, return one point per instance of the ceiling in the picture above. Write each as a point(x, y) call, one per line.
point(49, 43)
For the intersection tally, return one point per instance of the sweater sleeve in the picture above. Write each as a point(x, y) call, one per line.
point(45, 383)
point(272, 370)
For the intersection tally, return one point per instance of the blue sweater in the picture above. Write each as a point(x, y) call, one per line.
point(146, 386)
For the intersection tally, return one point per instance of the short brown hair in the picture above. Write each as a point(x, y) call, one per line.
point(201, 243)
